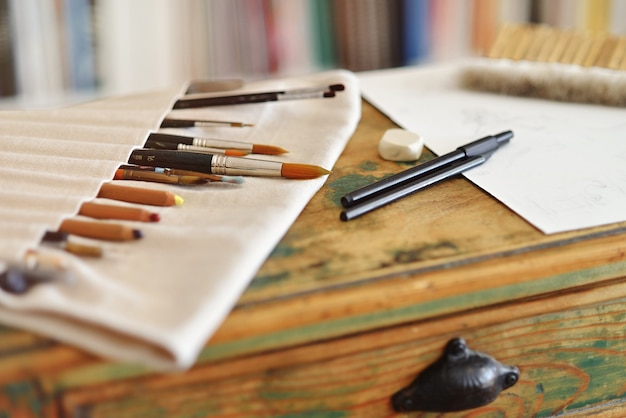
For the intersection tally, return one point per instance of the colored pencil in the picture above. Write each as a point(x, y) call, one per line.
point(100, 230)
point(215, 178)
point(139, 195)
point(62, 240)
point(128, 213)
point(140, 175)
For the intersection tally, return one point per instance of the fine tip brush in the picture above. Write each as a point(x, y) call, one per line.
point(544, 62)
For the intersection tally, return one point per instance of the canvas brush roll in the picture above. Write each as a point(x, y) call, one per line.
point(544, 62)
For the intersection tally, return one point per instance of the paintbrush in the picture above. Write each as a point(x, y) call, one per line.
point(190, 123)
point(158, 140)
point(224, 165)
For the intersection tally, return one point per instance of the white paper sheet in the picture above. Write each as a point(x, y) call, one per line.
point(565, 168)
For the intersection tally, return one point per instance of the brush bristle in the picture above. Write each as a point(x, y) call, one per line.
point(552, 81)
point(550, 63)
point(268, 149)
point(302, 171)
point(236, 153)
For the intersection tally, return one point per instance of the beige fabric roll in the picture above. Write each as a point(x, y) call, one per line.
point(157, 300)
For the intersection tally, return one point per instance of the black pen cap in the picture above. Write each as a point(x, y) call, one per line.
point(487, 145)
point(503, 137)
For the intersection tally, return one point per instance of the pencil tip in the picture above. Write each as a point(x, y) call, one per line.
point(137, 234)
point(178, 200)
point(154, 217)
point(302, 171)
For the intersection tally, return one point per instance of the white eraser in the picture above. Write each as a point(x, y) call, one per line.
point(400, 145)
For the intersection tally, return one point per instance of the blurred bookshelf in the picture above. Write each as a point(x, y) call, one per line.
point(53, 51)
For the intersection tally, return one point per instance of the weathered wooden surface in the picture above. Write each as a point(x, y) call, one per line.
point(569, 359)
point(444, 250)
point(344, 314)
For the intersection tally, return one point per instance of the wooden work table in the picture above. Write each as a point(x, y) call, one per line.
point(344, 314)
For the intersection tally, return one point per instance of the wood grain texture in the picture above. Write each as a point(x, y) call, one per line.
point(447, 249)
point(343, 314)
point(356, 376)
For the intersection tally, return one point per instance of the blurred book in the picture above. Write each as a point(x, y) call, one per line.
point(8, 83)
point(37, 45)
point(78, 34)
point(52, 48)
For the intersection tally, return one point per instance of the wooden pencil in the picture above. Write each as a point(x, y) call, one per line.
point(142, 175)
point(100, 230)
point(61, 239)
point(82, 250)
point(128, 213)
point(217, 178)
point(139, 195)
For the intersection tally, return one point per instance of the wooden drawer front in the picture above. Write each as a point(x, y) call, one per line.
point(570, 359)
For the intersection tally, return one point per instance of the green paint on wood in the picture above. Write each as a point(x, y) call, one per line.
point(425, 252)
point(414, 312)
point(23, 394)
point(558, 390)
point(338, 188)
point(570, 368)
point(108, 372)
point(368, 166)
point(284, 251)
point(268, 280)
point(600, 344)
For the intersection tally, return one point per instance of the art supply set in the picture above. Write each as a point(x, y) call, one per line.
point(175, 160)
point(152, 280)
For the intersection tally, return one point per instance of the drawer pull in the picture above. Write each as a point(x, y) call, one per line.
point(460, 379)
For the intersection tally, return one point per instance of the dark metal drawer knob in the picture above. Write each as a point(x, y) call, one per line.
point(460, 379)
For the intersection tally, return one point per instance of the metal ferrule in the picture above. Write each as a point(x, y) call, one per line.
point(208, 143)
point(194, 148)
point(237, 166)
point(300, 95)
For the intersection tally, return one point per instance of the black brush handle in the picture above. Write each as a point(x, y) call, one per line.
point(182, 160)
